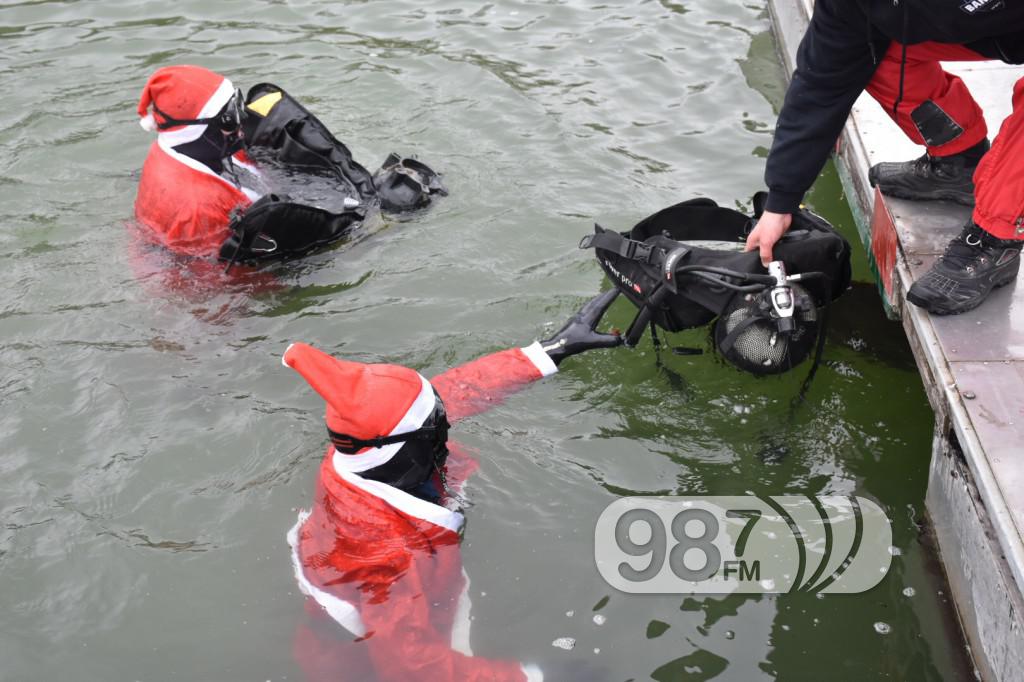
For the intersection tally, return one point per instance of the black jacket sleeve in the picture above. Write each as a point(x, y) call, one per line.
point(834, 63)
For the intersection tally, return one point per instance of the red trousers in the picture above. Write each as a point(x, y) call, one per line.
point(999, 179)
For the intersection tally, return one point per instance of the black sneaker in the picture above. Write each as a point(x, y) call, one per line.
point(931, 177)
point(973, 265)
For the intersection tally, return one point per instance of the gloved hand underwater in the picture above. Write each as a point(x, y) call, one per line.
point(578, 333)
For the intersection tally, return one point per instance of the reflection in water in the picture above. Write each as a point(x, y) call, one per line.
point(194, 280)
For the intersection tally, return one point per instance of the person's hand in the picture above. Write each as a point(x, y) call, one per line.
point(578, 333)
point(769, 229)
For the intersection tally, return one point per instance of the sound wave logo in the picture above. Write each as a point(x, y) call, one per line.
point(743, 544)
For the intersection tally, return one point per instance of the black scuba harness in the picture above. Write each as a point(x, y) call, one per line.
point(288, 141)
point(767, 321)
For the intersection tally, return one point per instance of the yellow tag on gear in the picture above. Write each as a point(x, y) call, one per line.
point(263, 105)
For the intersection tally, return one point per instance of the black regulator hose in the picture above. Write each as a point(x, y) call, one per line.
point(643, 317)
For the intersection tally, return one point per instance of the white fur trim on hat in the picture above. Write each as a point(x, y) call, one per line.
point(148, 123)
point(413, 419)
point(172, 138)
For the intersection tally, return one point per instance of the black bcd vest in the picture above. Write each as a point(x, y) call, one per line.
point(635, 261)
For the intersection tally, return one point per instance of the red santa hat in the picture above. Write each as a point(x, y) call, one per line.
point(365, 401)
point(183, 92)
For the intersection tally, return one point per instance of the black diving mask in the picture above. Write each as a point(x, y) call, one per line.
point(423, 452)
point(228, 120)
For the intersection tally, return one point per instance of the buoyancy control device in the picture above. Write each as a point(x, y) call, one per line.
point(683, 267)
point(316, 191)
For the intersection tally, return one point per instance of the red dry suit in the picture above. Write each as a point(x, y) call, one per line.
point(386, 566)
point(183, 204)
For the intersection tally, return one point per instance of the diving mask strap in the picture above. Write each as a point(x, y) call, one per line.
point(229, 119)
point(350, 445)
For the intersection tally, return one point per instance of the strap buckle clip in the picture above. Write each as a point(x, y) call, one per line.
point(635, 250)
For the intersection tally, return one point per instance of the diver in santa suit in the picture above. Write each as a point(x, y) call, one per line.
point(227, 174)
point(185, 196)
point(378, 554)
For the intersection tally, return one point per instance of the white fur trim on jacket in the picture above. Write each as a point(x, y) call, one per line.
point(343, 612)
point(533, 673)
point(541, 360)
point(404, 502)
point(251, 194)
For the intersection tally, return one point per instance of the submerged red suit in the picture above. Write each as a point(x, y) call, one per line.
point(386, 565)
point(184, 204)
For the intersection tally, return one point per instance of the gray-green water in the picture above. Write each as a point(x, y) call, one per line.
point(155, 451)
